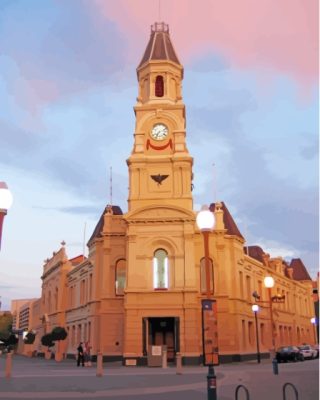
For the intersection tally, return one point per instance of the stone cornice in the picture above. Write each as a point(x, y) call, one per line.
point(50, 270)
point(157, 220)
point(85, 264)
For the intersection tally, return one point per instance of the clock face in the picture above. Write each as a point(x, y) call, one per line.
point(159, 132)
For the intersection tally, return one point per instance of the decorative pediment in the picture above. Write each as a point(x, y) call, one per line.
point(159, 213)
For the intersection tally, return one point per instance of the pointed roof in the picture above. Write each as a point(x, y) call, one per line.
point(116, 210)
point(159, 46)
point(255, 252)
point(228, 221)
point(300, 272)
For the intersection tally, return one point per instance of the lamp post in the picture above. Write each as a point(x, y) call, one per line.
point(205, 222)
point(269, 283)
point(5, 204)
point(255, 309)
point(313, 320)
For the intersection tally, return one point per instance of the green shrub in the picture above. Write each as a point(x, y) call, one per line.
point(58, 333)
point(47, 340)
point(29, 338)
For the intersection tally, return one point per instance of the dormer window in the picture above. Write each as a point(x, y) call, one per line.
point(159, 86)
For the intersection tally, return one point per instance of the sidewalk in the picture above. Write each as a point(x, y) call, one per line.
point(34, 378)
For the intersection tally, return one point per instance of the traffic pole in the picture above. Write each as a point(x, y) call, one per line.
point(211, 384)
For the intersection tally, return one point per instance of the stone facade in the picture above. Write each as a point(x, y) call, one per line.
point(142, 282)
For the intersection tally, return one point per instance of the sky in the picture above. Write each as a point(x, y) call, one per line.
point(67, 89)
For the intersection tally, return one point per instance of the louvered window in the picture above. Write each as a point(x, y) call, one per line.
point(159, 86)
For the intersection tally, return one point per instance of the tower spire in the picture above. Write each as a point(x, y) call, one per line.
point(160, 47)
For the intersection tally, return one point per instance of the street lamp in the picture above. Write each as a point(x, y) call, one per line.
point(5, 204)
point(269, 283)
point(255, 309)
point(313, 320)
point(205, 222)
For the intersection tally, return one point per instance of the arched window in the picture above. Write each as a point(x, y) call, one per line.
point(160, 269)
point(159, 86)
point(120, 277)
point(203, 277)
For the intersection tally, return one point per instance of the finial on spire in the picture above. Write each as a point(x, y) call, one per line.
point(160, 27)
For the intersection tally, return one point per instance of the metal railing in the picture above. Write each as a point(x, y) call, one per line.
point(284, 389)
point(284, 396)
point(245, 390)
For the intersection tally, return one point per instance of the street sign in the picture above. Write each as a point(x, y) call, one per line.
point(278, 299)
point(210, 332)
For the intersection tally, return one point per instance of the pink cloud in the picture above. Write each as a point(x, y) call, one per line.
point(269, 35)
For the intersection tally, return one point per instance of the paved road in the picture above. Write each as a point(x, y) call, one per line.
point(34, 378)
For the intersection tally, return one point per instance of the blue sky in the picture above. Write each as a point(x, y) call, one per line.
point(67, 90)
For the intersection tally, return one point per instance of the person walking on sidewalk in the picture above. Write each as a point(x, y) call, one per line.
point(80, 355)
point(87, 354)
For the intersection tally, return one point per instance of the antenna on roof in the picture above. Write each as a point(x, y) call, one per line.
point(246, 236)
point(84, 239)
point(110, 186)
point(214, 183)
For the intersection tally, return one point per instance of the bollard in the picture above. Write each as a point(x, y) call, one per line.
point(275, 366)
point(99, 364)
point(164, 359)
point(211, 384)
point(8, 365)
point(178, 364)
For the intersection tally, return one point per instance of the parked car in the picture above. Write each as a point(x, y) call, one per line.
point(308, 351)
point(289, 353)
point(316, 348)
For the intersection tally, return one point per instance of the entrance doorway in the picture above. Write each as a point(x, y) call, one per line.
point(162, 331)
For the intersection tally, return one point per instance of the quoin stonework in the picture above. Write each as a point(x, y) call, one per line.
point(144, 278)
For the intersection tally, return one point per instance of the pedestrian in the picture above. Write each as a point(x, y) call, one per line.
point(87, 354)
point(80, 355)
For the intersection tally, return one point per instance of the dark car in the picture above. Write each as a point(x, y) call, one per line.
point(289, 353)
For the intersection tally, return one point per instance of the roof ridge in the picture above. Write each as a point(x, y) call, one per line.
point(153, 44)
point(165, 46)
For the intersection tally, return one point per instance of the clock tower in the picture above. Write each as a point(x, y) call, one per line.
point(160, 166)
point(160, 221)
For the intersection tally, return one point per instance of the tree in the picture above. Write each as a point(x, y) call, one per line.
point(29, 338)
point(58, 333)
point(5, 326)
point(11, 341)
point(47, 340)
